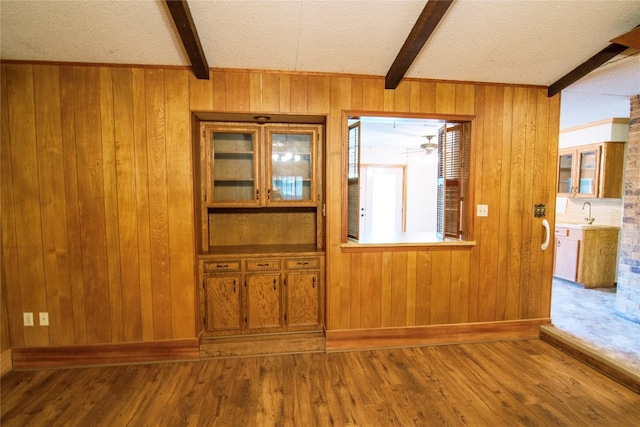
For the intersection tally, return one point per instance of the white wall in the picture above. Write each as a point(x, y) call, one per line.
point(577, 108)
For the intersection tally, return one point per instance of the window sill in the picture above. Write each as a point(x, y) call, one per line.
point(404, 242)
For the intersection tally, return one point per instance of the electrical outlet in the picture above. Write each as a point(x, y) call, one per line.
point(28, 319)
point(44, 318)
point(482, 210)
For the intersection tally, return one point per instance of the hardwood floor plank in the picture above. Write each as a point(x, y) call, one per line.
point(515, 383)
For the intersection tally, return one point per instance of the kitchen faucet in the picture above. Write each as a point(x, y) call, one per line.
point(588, 218)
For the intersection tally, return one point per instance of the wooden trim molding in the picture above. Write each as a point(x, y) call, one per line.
point(612, 121)
point(360, 339)
point(105, 354)
point(6, 363)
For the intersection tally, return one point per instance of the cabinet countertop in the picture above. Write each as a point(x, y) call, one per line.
point(586, 226)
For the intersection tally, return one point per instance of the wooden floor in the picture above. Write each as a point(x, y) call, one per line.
point(519, 383)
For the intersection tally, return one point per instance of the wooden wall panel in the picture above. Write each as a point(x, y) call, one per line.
point(12, 331)
point(26, 199)
point(56, 247)
point(516, 206)
point(490, 180)
point(158, 209)
point(106, 242)
point(72, 201)
point(179, 195)
point(111, 204)
point(200, 93)
point(143, 213)
point(127, 222)
point(91, 200)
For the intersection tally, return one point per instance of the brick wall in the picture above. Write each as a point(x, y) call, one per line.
point(628, 292)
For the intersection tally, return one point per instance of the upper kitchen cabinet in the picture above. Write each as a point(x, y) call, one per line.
point(590, 171)
point(249, 165)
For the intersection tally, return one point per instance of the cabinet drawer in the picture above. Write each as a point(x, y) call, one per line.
point(263, 264)
point(213, 266)
point(570, 233)
point(302, 263)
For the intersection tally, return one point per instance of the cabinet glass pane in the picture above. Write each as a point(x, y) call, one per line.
point(233, 166)
point(291, 166)
point(588, 163)
point(564, 173)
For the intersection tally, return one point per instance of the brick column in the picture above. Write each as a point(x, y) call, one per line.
point(628, 292)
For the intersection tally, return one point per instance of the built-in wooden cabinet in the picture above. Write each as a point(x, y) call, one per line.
point(591, 171)
point(261, 262)
point(262, 294)
point(586, 255)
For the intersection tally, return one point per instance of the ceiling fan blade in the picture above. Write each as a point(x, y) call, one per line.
point(630, 39)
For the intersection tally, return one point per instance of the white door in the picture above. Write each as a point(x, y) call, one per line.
point(382, 199)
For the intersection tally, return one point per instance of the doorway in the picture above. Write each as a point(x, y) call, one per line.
point(382, 199)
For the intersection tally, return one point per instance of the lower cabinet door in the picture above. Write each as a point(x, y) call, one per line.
point(263, 301)
point(566, 262)
point(302, 298)
point(223, 303)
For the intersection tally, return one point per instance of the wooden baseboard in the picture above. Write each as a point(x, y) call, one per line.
point(573, 346)
point(259, 345)
point(105, 354)
point(6, 364)
point(359, 339)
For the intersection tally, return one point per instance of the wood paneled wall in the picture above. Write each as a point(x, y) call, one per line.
point(98, 217)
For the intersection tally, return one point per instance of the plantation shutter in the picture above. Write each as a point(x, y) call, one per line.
point(353, 182)
point(449, 192)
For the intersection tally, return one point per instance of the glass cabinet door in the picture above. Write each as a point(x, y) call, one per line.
point(588, 172)
point(565, 172)
point(291, 168)
point(233, 175)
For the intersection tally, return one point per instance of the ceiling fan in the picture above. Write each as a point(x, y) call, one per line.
point(426, 147)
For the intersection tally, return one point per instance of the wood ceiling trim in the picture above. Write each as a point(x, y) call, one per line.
point(618, 45)
point(427, 22)
point(181, 15)
point(586, 67)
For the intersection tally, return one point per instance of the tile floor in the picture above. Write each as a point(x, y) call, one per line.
point(589, 315)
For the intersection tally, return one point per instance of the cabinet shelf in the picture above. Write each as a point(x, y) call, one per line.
point(232, 155)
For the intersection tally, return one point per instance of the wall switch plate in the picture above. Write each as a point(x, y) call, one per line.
point(28, 319)
point(44, 318)
point(482, 210)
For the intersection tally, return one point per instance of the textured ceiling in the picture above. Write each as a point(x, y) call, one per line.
point(512, 41)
